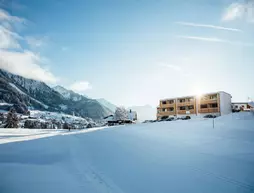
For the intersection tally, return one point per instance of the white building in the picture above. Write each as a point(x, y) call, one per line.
point(244, 106)
point(132, 115)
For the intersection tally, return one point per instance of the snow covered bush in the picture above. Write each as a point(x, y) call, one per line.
point(121, 114)
point(32, 124)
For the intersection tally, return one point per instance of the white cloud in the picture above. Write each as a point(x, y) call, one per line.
point(5, 16)
point(208, 26)
point(26, 64)
point(22, 62)
point(209, 39)
point(216, 40)
point(8, 39)
point(239, 11)
point(176, 68)
point(80, 86)
point(34, 42)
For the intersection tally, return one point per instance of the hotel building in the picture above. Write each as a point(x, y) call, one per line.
point(218, 103)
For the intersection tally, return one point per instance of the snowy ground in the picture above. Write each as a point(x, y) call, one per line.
point(180, 157)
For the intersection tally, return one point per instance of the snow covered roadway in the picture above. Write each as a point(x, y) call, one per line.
point(180, 157)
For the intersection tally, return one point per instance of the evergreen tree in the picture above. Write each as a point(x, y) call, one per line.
point(12, 119)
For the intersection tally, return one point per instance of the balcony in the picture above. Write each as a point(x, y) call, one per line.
point(209, 110)
point(186, 103)
point(183, 112)
point(166, 113)
point(208, 101)
point(209, 98)
point(167, 105)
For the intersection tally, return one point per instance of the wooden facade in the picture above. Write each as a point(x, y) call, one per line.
point(209, 103)
point(191, 105)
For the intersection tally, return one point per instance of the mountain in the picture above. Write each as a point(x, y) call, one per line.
point(69, 94)
point(144, 112)
point(82, 101)
point(26, 93)
point(107, 104)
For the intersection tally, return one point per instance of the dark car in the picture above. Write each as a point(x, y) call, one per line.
point(210, 116)
point(186, 118)
point(170, 119)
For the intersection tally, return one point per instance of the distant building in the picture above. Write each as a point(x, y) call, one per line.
point(132, 115)
point(217, 103)
point(242, 106)
point(251, 104)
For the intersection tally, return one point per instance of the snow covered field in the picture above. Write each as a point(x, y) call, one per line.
point(178, 156)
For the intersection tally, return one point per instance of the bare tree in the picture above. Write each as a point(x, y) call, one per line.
point(12, 119)
point(121, 114)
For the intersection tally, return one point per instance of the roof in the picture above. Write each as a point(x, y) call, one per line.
point(108, 116)
point(195, 95)
point(240, 103)
point(251, 104)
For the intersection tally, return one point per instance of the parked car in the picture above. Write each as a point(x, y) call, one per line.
point(170, 119)
point(149, 121)
point(236, 110)
point(210, 116)
point(186, 118)
point(164, 118)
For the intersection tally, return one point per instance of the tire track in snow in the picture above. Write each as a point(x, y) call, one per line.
point(87, 174)
point(243, 185)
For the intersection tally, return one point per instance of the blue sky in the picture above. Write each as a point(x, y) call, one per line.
point(132, 52)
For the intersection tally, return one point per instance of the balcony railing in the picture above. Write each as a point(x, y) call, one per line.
point(166, 113)
point(184, 112)
point(186, 103)
point(167, 105)
point(208, 101)
point(209, 110)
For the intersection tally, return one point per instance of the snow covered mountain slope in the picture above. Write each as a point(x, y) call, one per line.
point(68, 94)
point(35, 93)
point(19, 90)
point(179, 156)
point(81, 99)
point(107, 104)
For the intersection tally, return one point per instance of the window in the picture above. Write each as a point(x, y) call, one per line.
point(171, 109)
point(213, 97)
point(214, 105)
point(182, 100)
point(163, 110)
point(164, 102)
point(182, 108)
point(190, 107)
point(203, 106)
point(171, 101)
point(189, 99)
